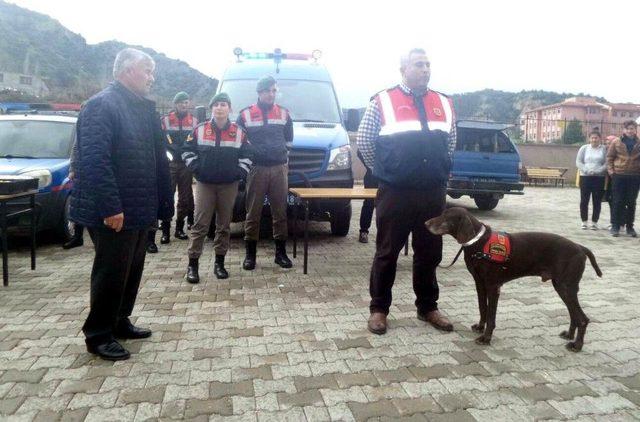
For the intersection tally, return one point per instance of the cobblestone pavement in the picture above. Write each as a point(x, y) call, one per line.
point(278, 345)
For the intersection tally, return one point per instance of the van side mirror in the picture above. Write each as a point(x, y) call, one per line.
point(352, 119)
point(201, 114)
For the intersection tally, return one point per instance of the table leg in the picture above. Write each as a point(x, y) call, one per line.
point(32, 203)
point(295, 229)
point(306, 235)
point(3, 227)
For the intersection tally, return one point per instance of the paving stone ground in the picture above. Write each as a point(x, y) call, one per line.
point(279, 345)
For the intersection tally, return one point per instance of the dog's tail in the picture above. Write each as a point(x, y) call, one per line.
point(592, 259)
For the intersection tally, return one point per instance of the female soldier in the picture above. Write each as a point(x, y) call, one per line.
point(218, 154)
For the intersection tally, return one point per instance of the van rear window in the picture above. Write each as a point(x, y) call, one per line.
point(484, 141)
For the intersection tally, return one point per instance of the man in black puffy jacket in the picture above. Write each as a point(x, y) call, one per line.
point(219, 155)
point(122, 187)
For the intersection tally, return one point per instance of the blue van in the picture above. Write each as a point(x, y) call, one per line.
point(486, 164)
point(39, 145)
point(320, 155)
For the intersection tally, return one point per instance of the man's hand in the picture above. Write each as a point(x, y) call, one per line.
point(115, 222)
point(72, 175)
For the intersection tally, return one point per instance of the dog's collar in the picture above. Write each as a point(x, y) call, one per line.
point(476, 237)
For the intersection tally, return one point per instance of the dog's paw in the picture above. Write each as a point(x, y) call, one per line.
point(566, 335)
point(483, 340)
point(573, 346)
point(478, 328)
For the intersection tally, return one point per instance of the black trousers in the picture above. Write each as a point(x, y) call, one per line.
point(366, 214)
point(624, 194)
point(115, 279)
point(591, 187)
point(398, 213)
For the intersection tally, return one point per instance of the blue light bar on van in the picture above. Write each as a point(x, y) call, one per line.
point(258, 55)
point(277, 55)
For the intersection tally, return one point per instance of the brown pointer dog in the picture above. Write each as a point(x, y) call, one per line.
point(547, 255)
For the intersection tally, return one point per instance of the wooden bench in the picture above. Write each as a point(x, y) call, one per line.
point(553, 175)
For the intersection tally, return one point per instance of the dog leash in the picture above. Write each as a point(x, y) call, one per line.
point(454, 259)
point(468, 243)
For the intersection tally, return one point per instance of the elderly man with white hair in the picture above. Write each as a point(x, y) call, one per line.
point(122, 187)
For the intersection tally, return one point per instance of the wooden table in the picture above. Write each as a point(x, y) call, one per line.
point(4, 216)
point(307, 194)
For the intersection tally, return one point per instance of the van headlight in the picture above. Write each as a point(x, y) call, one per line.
point(340, 158)
point(44, 177)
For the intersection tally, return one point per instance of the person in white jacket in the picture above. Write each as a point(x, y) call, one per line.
point(592, 165)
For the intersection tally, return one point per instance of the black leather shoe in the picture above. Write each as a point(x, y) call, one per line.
point(152, 248)
point(192, 271)
point(281, 255)
point(165, 238)
point(73, 243)
point(132, 332)
point(180, 234)
point(109, 351)
point(218, 268)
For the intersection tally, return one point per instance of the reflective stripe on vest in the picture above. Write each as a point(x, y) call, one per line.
point(172, 123)
point(276, 116)
point(399, 114)
point(207, 136)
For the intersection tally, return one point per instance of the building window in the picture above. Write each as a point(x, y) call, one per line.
point(25, 80)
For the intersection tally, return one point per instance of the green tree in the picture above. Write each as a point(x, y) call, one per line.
point(573, 133)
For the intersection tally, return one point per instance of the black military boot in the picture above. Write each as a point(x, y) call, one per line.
point(281, 254)
point(249, 262)
point(151, 242)
point(190, 221)
point(180, 234)
point(192, 271)
point(77, 238)
point(218, 268)
point(165, 226)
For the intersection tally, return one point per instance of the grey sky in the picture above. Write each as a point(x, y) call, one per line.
point(564, 46)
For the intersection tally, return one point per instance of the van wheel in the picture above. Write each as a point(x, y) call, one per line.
point(340, 221)
point(65, 228)
point(486, 203)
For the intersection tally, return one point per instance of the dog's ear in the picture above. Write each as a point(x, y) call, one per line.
point(465, 231)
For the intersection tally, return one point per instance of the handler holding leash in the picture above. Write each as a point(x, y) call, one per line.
point(407, 135)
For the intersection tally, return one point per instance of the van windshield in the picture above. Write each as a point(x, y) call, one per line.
point(307, 101)
point(35, 139)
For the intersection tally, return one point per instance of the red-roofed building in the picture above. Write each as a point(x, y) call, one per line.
point(546, 124)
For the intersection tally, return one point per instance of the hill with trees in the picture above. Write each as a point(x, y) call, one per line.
point(35, 44)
